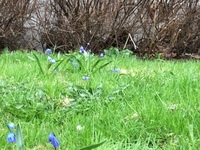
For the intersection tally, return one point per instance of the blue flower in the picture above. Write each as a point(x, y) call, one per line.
point(11, 126)
point(71, 60)
point(48, 51)
point(53, 140)
point(51, 60)
point(115, 69)
point(86, 78)
point(82, 50)
point(76, 64)
point(11, 138)
point(88, 44)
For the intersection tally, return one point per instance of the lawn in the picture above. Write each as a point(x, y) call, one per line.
point(84, 99)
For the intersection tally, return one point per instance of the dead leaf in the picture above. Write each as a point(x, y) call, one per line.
point(130, 117)
point(173, 107)
point(67, 101)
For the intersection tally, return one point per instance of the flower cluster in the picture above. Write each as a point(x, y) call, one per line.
point(11, 137)
point(87, 55)
point(51, 60)
point(84, 51)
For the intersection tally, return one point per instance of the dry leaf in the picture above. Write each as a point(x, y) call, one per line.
point(67, 101)
point(173, 107)
point(133, 116)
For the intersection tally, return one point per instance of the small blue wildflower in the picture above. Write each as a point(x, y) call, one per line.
point(115, 69)
point(71, 60)
point(76, 64)
point(53, 140)
point(88, 44)
point(101, 55)
point(51, 60)
point(48, 51)
point(86, 78)
point(11, 138)
point(11, 126)
point(82, 50)
point(89, 51)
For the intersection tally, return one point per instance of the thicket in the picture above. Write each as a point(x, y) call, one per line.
point(145, 27)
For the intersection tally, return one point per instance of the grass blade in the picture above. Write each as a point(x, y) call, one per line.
point(102, 66)
point(93, 146)
point(38, 62)
point(20, 142)
point(79, 62)
point(61, 61)
point(96, 63)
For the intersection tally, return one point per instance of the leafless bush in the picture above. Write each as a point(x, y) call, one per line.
point(170, 27)
point(155, 25)
point(102, 23)
point(13, 16)
point(162, 26)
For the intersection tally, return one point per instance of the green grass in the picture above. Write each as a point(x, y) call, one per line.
point(147, 105)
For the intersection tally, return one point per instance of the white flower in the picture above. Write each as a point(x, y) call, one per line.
point(79, 127)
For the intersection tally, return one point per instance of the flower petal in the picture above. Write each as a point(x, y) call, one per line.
point(53, 140)
point(48, 51)
point(11, 125)
point(11, 138)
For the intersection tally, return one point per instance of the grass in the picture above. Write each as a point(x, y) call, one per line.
point(147, 105)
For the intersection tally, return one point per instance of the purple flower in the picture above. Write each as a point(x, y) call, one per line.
point(51, 60)
point(86, 78)
point(48, 51)
point(82, 50)
point(53, 140)
point(11, 126)
point(11, 138)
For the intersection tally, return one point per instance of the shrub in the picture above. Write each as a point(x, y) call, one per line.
point(13, 18)
point(145, 27)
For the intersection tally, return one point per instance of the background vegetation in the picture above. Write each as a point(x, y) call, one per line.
point(171, 28)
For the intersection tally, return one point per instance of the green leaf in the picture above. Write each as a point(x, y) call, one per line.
point(93, 146)
point(19, 106)
point(31, 58)
point(20, 142)
point(79, 62)
point(102, 66)
point(96, 63)
point(38, 62)
point(49, 66)
point(59, 63)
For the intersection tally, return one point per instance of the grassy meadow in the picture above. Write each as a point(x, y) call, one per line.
point(84, 99)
